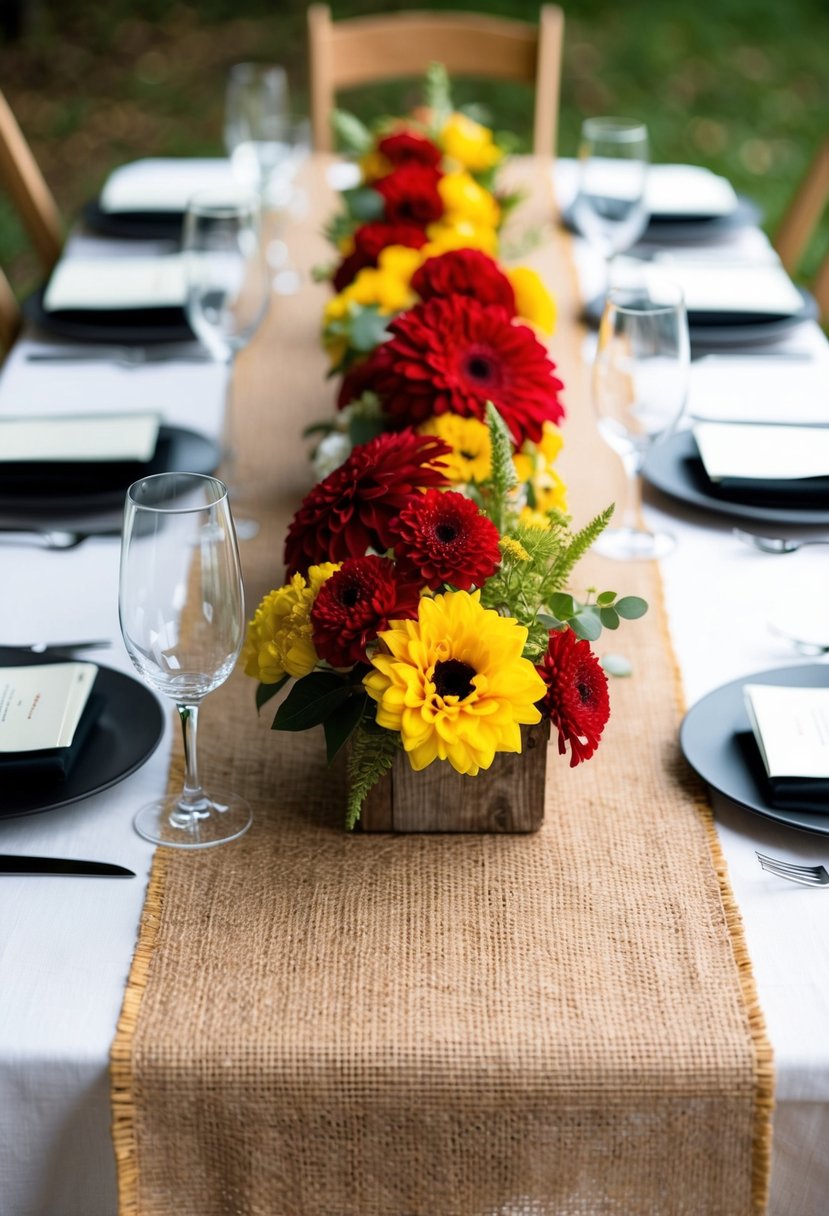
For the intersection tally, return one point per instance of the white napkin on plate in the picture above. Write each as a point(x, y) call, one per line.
point(762, 453)
point(157, 184)
point(107, 283)
point(765, 389)
point(688, 190)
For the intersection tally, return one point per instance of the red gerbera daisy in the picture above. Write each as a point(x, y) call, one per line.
point(409, 147)
point(465, 272)
point(577, 701)
point(447, 539)
point(452, 355)
point(354, 604)
point(410, 195)
point(369, 242)
point(350, 511)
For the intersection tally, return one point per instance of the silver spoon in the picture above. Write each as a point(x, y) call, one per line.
point(48, 538)
point(777, 544)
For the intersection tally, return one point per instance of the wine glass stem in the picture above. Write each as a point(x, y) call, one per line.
point(632, 513)
point(228, 421)
point(193, 801)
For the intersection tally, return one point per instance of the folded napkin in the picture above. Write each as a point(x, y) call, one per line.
point(765, 464)
point(49, 765)
point(688, 190)
point(766, 389)
point(810, 794)
point(165, 184)
point(116, 283)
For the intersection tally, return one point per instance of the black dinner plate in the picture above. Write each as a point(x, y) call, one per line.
point(53, 489)
point(134, 225)
point(674, 467)
point(711, 330)
point(665, 229)
point(710, 740)
point(125, 735)
point(122, 326)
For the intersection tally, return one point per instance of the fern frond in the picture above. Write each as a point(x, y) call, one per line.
point(575, 550)
point(372, 754)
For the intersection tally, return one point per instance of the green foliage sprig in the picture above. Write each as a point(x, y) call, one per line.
point(372, 754)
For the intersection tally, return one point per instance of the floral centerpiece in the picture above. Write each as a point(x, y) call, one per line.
point(426, 611)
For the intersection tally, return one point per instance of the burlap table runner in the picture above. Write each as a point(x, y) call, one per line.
point(352, 1025)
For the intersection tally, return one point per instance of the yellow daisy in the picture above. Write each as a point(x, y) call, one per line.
point(471, 456)
point(278, 641)
point(534, 464)
point(469, 143)
point(454, 684)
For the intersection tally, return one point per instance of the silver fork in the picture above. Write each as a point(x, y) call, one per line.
point(808, 876)
point(777, 544)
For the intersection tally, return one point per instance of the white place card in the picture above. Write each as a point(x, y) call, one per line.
point(166, 184)
point(91, 437)
point(791, 726)
point(107, 283)
point(41, 705)
point(688, 190)
point(765, 389)
point(709, 286)
point(762, 453)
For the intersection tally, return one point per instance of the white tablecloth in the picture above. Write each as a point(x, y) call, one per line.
point(66, 944)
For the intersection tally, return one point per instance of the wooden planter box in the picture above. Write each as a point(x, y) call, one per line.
point(508, 797)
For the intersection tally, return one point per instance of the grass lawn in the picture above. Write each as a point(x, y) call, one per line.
point(740, 85)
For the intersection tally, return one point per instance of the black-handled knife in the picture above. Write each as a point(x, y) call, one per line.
point(11, 863)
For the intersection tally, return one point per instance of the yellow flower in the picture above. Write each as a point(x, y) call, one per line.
point(513, 548)
point(534, 464)
point(533, 519)
point(385, 288)
point(453, 232)
point(278, 641)
point(533, 301)
point(373, 165)
point(454, 683)
point(464, 198)
point(471, 456)
point(470, 144)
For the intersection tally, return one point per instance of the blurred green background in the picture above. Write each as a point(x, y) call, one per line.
point(739, 85)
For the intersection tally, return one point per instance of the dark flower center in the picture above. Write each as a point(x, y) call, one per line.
point(350, 595)
point(585, 692)
point(479, 367)
point(446, 532)
point(454, 678)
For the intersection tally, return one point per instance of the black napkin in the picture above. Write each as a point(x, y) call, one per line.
point(52, 764)
point(784, 793)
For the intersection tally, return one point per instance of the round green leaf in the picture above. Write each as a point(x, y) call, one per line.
point(631, 607)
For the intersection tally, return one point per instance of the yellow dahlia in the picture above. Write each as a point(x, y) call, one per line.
point(454, 684)
point(278, 641)
point(469, 143)
point(533, 301)
point(471, 455)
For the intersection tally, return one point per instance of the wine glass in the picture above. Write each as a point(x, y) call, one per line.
point(266, 147)
point(640, 382)
point(227, 291)
point(181, 608)
point(610, 209)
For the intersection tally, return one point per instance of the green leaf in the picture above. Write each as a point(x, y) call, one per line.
point(563, 605)
point(609, 618)
point(549, 622)
point(606, 597)
point(350, 133)
point(631, 607)
point(311, 700)
point(363, 430)
point(341, 724)
point(367, 329)
point(372, 754)
point(616, 665)
point(586, 624)
point(264, 692)
point(437, 97)
point(363, 204)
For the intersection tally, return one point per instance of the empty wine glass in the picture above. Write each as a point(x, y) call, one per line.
point(181, 609)
point(610, 209)
point(266, 146)
point(227, 293)
point(640, 382)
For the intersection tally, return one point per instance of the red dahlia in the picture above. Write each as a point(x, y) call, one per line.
point(354, 604)
point(410, 195)
point(465, 272)
point(351, 510)
point(452, 355)
point(447, 539)
point(576, 701)
point(409, 147)
point(369, 242)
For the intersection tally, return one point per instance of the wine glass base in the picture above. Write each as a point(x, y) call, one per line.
point(633, 544)
point(222, 820)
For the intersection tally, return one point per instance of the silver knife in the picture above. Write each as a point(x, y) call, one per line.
point(12, 863)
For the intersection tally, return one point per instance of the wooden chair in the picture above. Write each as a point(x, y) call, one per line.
point(800, 221)
point(362, 50)
point(26, 187)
